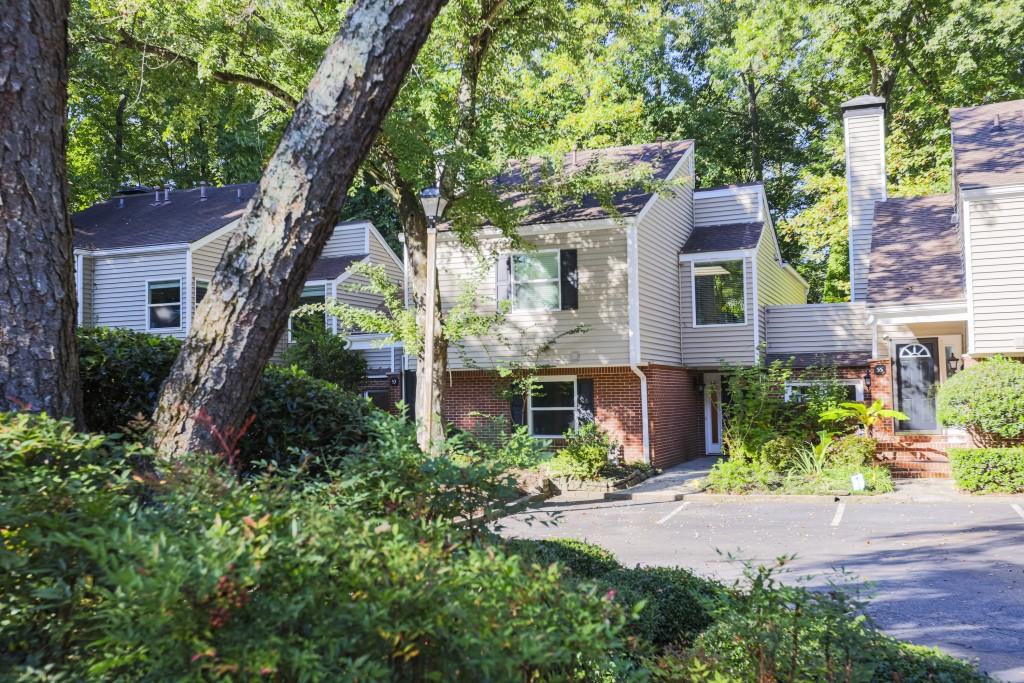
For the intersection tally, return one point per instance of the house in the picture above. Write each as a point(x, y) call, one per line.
point(676, 287)
point(144, 260)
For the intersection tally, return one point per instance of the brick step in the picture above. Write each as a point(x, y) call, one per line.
point(912, 456)
point(915, 474)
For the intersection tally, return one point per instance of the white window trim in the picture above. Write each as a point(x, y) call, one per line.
point(575, 404)
point(557, 280)
point(851, 382)
point(315, 283)
point(181, 305)
point(693, 291)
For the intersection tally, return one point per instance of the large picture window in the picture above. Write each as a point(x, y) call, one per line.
point(719, 293)
point(309, 323)
point(163, 304)
point(536, 281)
point(553, 407)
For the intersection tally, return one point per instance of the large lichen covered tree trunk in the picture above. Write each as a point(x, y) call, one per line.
point(287, 223)
point(38, 362)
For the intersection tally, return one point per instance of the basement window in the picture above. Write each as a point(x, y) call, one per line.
point(719, 293)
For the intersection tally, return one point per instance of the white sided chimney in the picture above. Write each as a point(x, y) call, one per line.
point(864, 129)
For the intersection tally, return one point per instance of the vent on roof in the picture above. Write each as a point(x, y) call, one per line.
point(238, 195)
point(997, 123)
point(202, 190)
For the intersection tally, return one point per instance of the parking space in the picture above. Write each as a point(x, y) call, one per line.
point(948, 573)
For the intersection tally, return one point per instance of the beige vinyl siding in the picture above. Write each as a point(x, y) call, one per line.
point(865, 168)
point(891, 334)
point(382, 254)
point(660, 235)
point(775, 284)
point(205, 260)
point(120, 296)
point(711, 346)
point(818, 328)
point(346, 240)
point(741, 205)
point(603, 305)
point(996, 251)
point(378, 360)
point(88, 291)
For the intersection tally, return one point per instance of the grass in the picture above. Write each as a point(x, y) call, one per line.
point(743, 476)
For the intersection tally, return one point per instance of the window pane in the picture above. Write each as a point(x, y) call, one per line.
point(166, 292)
point(552, 422)
point(164, 316)
point(718, 292)
point(542, 266)
point(201, 288)
point(554, 395)
point(851, 392)
point(540, 296)
point(315, 294)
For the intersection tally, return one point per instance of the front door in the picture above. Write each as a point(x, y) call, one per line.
point(713, 414)
point(917, 368)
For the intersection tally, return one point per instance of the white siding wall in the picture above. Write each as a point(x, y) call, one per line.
point(120, 295)
point(711, 346)
point(996, 249)
point(88, 290)
point(205, 261)
point(347, 239)
point(865, 185)
point(602, 305)
point(775, 284)
point(818, 328)
point(660, 236)
point(741, 205)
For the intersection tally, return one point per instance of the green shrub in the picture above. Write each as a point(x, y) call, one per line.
point(988, 470)
point(778, 454)
point(986, 399)
point(738, 475)
point(212, 577)
point(580, 559)
point(586, 452)
point(499, 442)
point(121, 373)
point(836, 478)
point(326, 356)
point(853, 450)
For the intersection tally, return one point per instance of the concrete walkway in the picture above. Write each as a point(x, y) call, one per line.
point(672, 484)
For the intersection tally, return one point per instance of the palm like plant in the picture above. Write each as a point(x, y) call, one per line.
point(866, 416)
point(811, 460)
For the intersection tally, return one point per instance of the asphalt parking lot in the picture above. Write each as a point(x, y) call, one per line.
point(947, 573)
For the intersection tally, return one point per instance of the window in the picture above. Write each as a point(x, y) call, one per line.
point(201, 287)
point(536, 279)
point(163, 304)
point(797, 391)
point(309, 322)
point(719, 293)
point(553, 407)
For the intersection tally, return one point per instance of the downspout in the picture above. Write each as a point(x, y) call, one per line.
point(633, 272)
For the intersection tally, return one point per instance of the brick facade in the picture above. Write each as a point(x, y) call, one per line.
point(676, 413)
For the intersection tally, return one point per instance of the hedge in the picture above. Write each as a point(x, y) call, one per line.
point(986, 399)
point(988, 470)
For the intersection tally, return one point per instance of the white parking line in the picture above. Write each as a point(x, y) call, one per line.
point(1018, 509)
point(839, 514)
point(672, 514)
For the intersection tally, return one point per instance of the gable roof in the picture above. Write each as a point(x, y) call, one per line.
point(915, 252)
point(988, 144)
point(331, 267)
point(723, 237)
point(143, 222)
point(661, 157)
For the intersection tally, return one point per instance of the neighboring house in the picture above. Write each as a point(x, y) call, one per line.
point(676, 288)
point(143, 261)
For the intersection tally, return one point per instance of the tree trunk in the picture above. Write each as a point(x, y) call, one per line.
point(38, 360)
point(754, 120)
point(414, 222)
point(117, 172)
point(288, 221)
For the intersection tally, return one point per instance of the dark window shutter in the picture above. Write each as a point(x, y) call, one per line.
point(503, 276)
point(585, 400)
point(517, 405)
point(570, 280)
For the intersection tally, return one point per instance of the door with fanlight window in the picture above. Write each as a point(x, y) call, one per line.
point(917, 373)
point(713, 421)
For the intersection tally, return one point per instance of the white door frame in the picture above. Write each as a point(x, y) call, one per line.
point(712, 386)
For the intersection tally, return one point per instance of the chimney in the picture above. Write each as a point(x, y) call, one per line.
point(864, 127)
point(202, 190)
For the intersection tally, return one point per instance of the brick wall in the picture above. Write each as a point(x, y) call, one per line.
point(676, 414)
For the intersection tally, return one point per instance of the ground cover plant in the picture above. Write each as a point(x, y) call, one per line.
point(988, 470)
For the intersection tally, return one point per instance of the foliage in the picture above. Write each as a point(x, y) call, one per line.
point(867, 417)
point(393, 318)
point(121, 373)
point(736, 474)
point(778, 454)
point(199, 575)
point(326, 356)
point(835, 478)
point(500, 443)
point(587, 451)
point(853, 450)
point(988, 470)
point(986, 399)
point(812, 459)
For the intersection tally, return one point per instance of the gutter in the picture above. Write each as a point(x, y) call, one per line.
point(633, 280)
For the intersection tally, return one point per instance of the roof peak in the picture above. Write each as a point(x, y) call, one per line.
point(863, 101)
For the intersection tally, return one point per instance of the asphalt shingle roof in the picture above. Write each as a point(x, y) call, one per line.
point(915, 252)
point(723, 237)
point(329, 268)
point(988, 144)
point(143, 222)
point(842, 359)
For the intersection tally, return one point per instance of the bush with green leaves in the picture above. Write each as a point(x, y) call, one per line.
point(988, 470)
point(586, 453)
point(326, 356)
point(496, 440)
point(853, 450)
point(190, 573)
point(778, 454)
point(737, 474)
point(986, 399)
